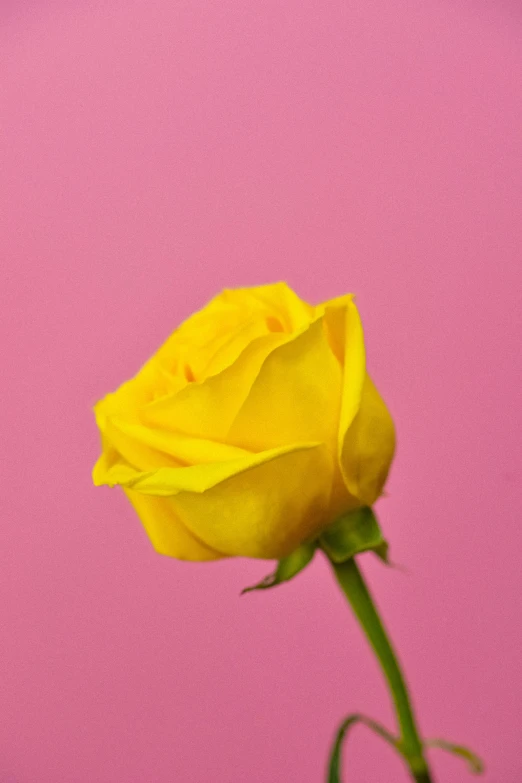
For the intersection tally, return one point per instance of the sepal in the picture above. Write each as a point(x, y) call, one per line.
point(353, 533)
point(287, 568)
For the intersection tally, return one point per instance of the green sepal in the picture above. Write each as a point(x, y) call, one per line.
point(287, 568)
point(353, 533)
point(475, 764)
point(334, 767)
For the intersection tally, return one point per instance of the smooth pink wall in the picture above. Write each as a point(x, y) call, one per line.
point(153, 153)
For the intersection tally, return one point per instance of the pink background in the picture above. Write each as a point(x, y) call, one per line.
point(153, 153)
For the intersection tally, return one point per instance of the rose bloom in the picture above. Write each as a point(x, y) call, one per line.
point(252, 428)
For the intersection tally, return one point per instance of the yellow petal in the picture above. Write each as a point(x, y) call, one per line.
point(266, 511)
point(263, 505)
point(368, 446)
point(185, 356)
point(143, 449)
point(231, 348)
point(212, 338)
point(295, 397)
point(238, 325)
point(151, 382)
point(345, 336)
point(207, 409)
point(207, 333)
point(366, 431)
point(165, 529)
point(276, 300)
point(354, 360)
point(167, 480)
point(146, 449)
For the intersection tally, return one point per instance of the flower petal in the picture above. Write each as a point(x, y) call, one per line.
point(168, 534)
point(147, 448)
point(277, 300)
point(167, 481)
point(207, 409)
point(368, 446)
point(266, 511)
point(295, 397)
point(345, 335)
point(151, 382)
point(345, 332)
point(264, 505)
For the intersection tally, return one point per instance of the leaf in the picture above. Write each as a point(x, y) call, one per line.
point(353, 533)
point(475, 764)
point(287, 568)
point(334, 769)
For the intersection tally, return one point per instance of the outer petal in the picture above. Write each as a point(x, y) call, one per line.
point(263, 505)
point(345, 335)
point(266, 511)
point(368, 447)
point(295, 397)
point(165, 529)
point(366, 432)
point(147, 449)
point(165, 481)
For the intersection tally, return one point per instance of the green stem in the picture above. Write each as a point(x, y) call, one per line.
point(410, 745)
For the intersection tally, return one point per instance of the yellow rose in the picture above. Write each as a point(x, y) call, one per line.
point(251, 429)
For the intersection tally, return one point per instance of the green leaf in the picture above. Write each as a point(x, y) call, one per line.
point(287, 568)
point(475, 764)
point(353, 533)
point(334, 769)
